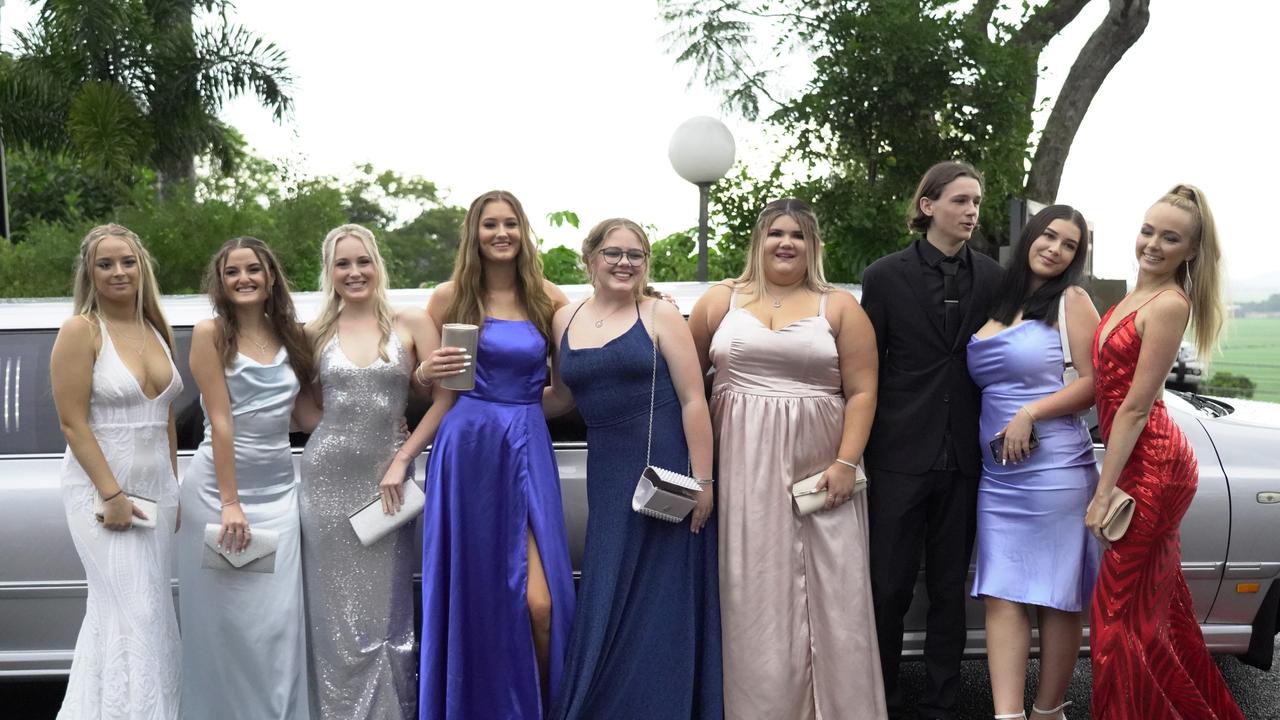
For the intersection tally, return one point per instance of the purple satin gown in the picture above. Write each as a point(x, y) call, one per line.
point(1032, 546)
point(492, 477)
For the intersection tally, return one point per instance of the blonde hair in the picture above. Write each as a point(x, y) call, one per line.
point(326, 322)
point(146, 305)
point(467, 305)
point(802, 213)
point(601, 231)
point(1201, 275)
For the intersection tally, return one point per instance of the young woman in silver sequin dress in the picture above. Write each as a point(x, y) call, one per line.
point(359, 600)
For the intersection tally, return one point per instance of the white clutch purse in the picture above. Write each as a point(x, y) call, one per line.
point(664, 494)
point(807, 499)
point(259, 557)
point(371, 524)
point(146, 505)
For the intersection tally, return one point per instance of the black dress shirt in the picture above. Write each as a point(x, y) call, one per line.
point(930, 262)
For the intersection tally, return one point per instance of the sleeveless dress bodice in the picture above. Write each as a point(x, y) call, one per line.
point(359, 600)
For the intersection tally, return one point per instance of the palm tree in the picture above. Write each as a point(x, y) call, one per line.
point(125, 83)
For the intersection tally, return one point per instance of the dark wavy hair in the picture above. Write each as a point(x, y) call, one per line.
point(280, 312)
point(1014, 294)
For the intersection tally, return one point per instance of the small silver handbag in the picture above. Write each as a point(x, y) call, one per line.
point(259, 557)
point(371, 524)
point(806, 498)
point(661, 493)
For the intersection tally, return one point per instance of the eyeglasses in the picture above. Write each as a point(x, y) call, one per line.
point(613, 255)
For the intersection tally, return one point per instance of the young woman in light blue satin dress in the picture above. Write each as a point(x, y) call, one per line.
point(243, 637)
point(1032, 548)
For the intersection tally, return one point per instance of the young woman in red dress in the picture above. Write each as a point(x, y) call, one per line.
point(1149, 657)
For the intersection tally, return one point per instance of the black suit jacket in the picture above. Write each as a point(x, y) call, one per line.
point(924, 381)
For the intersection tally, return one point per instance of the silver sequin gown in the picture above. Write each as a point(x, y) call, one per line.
point(359, 600)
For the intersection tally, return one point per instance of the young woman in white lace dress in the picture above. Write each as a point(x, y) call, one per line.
point(113, 382)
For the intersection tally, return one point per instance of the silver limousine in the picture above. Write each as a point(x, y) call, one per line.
point(1230, 537)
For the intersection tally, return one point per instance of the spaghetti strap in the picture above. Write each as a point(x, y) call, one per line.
point(574, 315)
point(733, 296)
point(1153, 297)
point(822, 306)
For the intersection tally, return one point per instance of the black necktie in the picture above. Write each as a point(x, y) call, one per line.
point(950, 297)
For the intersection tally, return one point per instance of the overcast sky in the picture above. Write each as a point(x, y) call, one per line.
point(571, 103)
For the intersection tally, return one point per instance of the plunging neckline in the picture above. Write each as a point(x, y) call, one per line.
point(337, 340)
point(137, 384)
point(1114, 328)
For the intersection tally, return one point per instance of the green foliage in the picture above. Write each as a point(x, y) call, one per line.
point(560, 265)
point(1225, 384)
point(56, 188)
point(117, 83)
point(896, 85)
point(675, 257)
point(560, 218)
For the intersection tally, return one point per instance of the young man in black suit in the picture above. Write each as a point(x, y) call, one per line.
point(923, 457)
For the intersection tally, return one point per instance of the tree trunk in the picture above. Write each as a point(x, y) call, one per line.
point(1120, 29)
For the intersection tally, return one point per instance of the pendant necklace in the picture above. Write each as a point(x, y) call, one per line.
point(262, 346)
point(600, 323)
point(777, 303)
point(138, 343)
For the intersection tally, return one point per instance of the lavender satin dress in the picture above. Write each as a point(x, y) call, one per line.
point(1032, 546)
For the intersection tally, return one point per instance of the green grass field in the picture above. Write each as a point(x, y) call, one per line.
point(1251, 347)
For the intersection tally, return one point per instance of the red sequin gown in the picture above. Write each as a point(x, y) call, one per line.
point(1149, 657)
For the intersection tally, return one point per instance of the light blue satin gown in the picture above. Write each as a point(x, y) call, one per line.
point(243, 633)
point(1032, 546)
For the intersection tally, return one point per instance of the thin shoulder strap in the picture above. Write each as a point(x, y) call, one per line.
point(1062, 330)
point(733, 296)
point(822, 305)
point(1153, 297)
point(574, 315)
point(653, 380)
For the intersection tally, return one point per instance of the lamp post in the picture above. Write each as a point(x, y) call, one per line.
point(701, 151)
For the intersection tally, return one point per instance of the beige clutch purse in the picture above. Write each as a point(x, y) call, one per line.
point(1119, 514)
point(807, 499)
point(259, 557)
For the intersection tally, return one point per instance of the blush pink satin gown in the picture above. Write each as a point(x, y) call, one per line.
point(797, 622)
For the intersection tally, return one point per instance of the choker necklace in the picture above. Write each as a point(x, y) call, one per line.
point(600, 322)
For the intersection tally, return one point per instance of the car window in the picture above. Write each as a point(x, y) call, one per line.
point(28, 420)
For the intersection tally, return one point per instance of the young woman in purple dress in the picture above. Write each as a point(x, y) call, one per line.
point(1031, 548)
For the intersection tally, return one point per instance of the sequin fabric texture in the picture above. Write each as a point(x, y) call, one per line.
point(359, 600)
point(1149, 658)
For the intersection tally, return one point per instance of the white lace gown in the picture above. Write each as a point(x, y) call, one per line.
point(128, 658)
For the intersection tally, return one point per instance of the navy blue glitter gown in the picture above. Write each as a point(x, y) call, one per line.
point(646, 637)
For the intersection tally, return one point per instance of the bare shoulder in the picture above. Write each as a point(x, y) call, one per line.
point(205, 330)
point(840, 299)
point(566, 311)
point(442, 292)
point(78, 328)
point(411, 316)
point(664, 311)
point(1169, 306)
point(553, 291)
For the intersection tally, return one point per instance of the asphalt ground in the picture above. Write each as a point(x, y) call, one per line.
point(1257, 692)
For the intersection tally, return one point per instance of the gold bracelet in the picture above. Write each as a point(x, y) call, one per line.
point(229, 503)
point(417, 374)
point(1029, 413)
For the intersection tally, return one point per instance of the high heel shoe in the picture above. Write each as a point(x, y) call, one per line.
point(1062, 716)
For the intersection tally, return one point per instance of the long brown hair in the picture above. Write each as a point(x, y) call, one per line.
point(279, 309)
point(931, 185)
point(468, 270)
point(1200, 276)
point(146, 305)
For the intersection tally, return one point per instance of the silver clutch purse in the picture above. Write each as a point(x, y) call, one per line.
point(371, 524)
point(661, 493)
point(807, 499)
point(665, 495)
point(146, 505)
point(259, 557)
